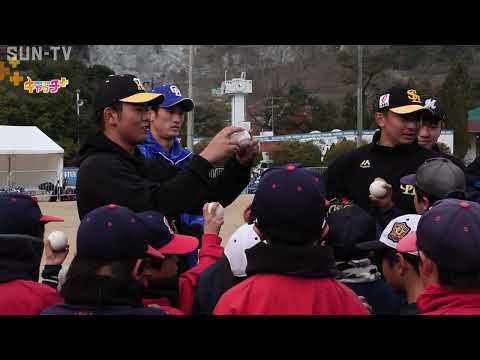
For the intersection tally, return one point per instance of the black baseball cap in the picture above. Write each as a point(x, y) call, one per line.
point(400, 100)
point(124, 88)
point(438, 177)
point(434, 105)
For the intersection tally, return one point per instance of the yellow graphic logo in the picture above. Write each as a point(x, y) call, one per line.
point(399, 230)
point(38, 86)
point(408, 189)
point(412, 95)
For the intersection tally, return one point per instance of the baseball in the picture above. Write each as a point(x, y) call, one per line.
point(58, 240)
point(219, 211)
point(242, 137)
point(377, 188)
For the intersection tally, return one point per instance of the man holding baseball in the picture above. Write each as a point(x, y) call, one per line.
point(113, 170)
point(166, 158)
point(394, 155)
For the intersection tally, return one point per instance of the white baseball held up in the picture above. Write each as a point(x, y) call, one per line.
point(378, 188)
point(58, 240)
point(242, 138)
point(218, 212)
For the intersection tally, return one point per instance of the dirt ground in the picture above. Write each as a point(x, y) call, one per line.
point(68, 210)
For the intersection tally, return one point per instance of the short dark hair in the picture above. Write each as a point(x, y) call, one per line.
point(84, 287)
point(391, 255)
point(421, 194)
point(456, 279)
point(301, 238)
point(117, 107)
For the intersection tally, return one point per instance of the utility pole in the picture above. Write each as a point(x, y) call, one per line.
point(78, 116)
point(190, 95)
point(359, 97)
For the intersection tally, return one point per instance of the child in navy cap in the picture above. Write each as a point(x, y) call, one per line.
point(290, 272)
point(105, 277)
point(448, 241)
point(22, 226)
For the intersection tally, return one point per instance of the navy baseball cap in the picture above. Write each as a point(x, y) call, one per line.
point(433, 104)
point(349, 226)
point(20, 214)
point(173, 96)
point(449, 234)
point(114, 232)
point(289, 199)
point(162, 238)
point(439, 177)
point(124, 88)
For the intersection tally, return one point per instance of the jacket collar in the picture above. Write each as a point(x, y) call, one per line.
point(175, 155)
point(437, 298)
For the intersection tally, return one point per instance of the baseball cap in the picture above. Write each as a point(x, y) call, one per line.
point(408, 244)
point(438, 177)
point(113, 232)
point(243, 238)
point(125, 88)
point(20, 214)
point(433, 104)
point(400, 100)
point(289, 199)
point(173, 96)
point(395, 231)
point(449, 233)
point(349, 226)
point(162, 238)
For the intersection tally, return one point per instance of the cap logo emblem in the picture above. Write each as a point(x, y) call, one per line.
point(431, 104)
point(175, 90)
point(407, 189)
point(384, 101)
point(139, 84)
point(413, 96)
point(399, 231)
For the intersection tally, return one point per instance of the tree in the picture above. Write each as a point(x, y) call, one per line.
point(338, 149)
point(304, 153)
point(211, 119)
point(454, 96)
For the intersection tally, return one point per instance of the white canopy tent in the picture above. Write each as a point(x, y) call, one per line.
point(28, 157)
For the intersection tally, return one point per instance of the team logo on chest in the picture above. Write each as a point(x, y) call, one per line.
point(365, 164)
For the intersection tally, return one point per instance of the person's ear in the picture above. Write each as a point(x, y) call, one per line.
point(427, 267)
point(401, 265)
point(137, 270)
point(380, 119)
point(426, 203)
point(110, 116)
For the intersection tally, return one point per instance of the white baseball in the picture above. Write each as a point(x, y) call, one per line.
point(377, 189)
point(242, 137)
point(218, 212)
point(58, 240)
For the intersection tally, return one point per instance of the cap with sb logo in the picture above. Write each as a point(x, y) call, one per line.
point(400, 100)
point(124, 88)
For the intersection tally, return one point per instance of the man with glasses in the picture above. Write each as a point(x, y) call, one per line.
point(390, 157)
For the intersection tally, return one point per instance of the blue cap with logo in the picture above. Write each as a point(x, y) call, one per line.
point(173, 96)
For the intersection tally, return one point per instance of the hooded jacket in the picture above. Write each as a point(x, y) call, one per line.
point(109, 174)
point(351, 174)
point(288, 280)
point(20, 292)
point(441, 300)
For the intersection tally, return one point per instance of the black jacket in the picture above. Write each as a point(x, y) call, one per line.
point(109, 174)
point(212, 284)
point(224, 188)
point(352, 173)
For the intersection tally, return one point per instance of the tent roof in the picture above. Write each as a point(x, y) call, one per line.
point(26, 140)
